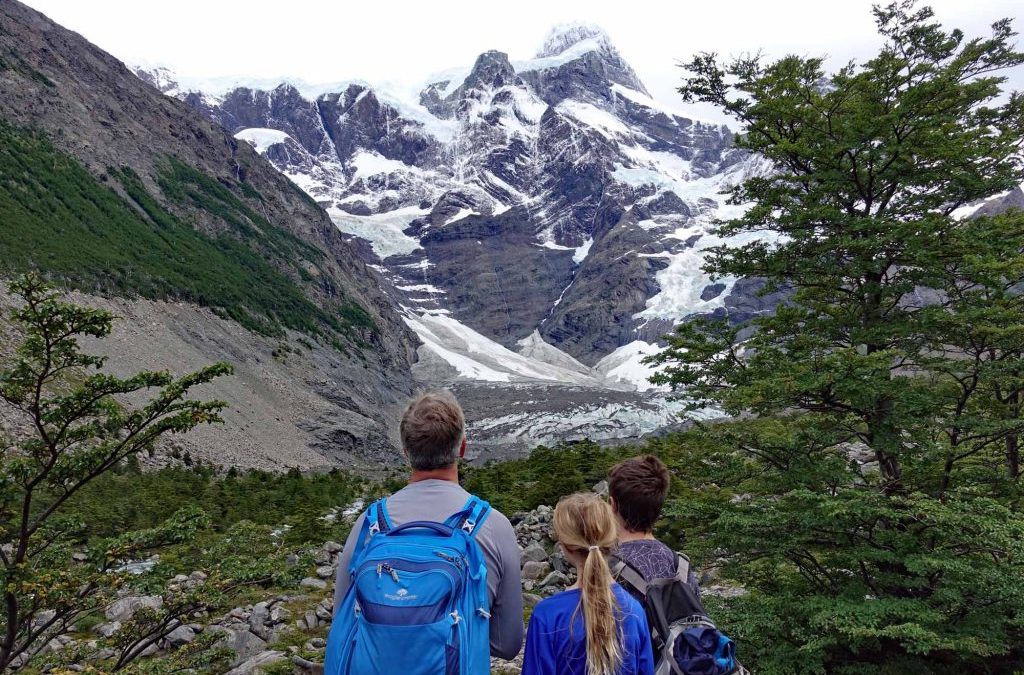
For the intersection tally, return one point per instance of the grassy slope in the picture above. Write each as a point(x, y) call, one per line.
point(55, 216)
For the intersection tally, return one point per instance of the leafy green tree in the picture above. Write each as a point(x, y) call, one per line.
point(68, 425)
point(878, 408)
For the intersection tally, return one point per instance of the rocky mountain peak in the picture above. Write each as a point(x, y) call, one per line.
point(579, 61)
point(163, 79)
point(563, 36)
point(492, 68)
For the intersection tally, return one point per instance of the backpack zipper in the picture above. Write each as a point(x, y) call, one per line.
point(455, 560)
point(385, 567)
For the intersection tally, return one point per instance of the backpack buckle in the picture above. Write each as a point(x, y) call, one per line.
point(374, 528)
point(468, 526)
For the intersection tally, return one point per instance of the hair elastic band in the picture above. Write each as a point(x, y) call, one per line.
point(594, 548)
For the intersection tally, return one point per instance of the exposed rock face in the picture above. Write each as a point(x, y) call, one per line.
point(552, 195)
point(97, 111)
point(1014, 199)
point(557, 76)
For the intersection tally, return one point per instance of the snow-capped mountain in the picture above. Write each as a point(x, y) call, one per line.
point(543, 203)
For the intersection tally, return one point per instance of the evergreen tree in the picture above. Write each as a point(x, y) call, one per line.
point(878, 408)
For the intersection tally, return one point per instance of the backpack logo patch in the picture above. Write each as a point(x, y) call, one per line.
point(400, 594)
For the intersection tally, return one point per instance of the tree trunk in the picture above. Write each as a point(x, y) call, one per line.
point(1013, 442)
point(886, 442)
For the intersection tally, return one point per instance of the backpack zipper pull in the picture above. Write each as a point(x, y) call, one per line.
point(458, 562)
point(385, 567)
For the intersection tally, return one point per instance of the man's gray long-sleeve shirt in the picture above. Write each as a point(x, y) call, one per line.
point(436, 500)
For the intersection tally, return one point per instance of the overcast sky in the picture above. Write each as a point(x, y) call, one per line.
point(405, 41)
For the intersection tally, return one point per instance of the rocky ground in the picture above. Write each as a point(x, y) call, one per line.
point(286, 632)
point(293, 402)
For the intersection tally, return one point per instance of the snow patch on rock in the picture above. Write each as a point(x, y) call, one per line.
point(262, 139)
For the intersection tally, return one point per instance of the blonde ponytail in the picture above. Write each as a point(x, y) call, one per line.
point(585, 524)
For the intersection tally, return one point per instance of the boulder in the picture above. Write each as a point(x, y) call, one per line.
point(314, 583)
point(325, 571)
point(556, 578)
point(125, 608)
point(535, 553)
point(533, 570)
point(258, 619)
point(107, 629)
point(181, 635)
point(257, 663)
point(530, 600)
point(242, 642)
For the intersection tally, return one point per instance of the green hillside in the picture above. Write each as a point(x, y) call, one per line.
point(57, 217)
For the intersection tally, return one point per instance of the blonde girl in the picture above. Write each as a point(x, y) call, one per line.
point(593, 627)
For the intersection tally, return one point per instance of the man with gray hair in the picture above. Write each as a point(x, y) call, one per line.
point(433, 439)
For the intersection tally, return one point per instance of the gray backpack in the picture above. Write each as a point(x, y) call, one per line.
point(684, 638)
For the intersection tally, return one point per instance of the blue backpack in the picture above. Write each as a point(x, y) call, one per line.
point(417, 603)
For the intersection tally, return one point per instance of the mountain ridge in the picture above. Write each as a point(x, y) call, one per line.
point(83, 127)
point(551, 195)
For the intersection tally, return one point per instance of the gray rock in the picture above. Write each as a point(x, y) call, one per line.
point(107, 629)
point(279, 615)
point(124, 608)
point(724, 591)
point(311, 620)
point(710, 576)
point(534, 553)
point(242, 642)
point(530, 600)
point(314, 583)
point(257, 663)
point(325, 571)
point(535, 570)
point(601, 488)
point(555, 579)
point(332, 547)
point(181, 635)
point(43, 618)
point(258, 619)
point(559, 563)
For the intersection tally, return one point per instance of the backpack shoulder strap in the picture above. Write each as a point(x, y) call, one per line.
point(624, 572)
point(471, 516)
point(377, 517)
point(375, 521)
point(682, 567)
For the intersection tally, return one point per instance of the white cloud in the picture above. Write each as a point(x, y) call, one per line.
point(404, 41)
